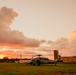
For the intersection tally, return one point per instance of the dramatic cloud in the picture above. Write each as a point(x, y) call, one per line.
point(7, 15)
point(8, 36)
point(72, 36)
point(14, 39)
point(42, 41)
point(66, 46)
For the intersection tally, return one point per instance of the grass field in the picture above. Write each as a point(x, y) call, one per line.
point(22, 69)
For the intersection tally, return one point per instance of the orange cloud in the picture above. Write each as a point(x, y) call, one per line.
point(72, 36)
point(66, 46)
point(11, 40)
point(8, 36)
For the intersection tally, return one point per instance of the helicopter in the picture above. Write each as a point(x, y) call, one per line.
point(40, 60)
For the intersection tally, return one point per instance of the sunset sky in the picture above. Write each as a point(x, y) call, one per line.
point(35, 27)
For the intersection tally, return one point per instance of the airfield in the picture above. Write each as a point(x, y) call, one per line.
point(44, 69)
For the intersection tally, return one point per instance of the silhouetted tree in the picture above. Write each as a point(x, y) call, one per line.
point(5, 59)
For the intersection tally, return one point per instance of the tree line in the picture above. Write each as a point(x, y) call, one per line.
point(6, 59)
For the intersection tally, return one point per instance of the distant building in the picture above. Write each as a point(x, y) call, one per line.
point(68, 59)
point(56, 54)
point(23, 60)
